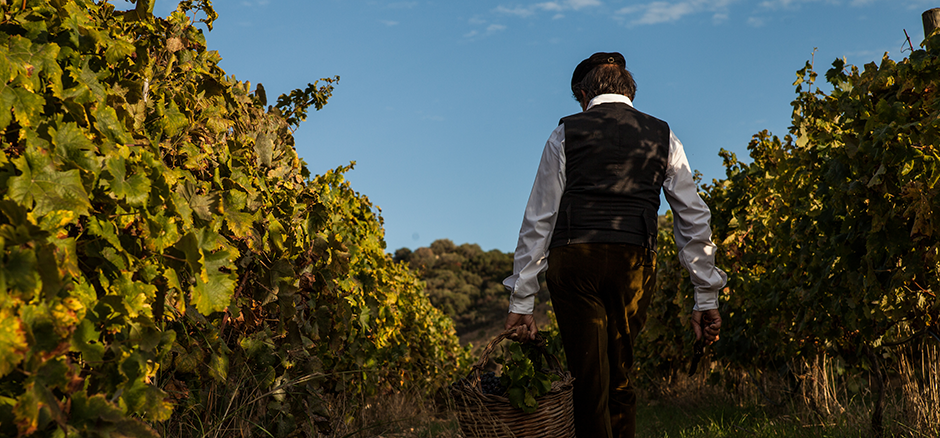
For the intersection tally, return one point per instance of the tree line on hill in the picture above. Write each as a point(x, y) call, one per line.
point(464, 281)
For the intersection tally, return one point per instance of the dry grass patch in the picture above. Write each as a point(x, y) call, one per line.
point(395, 415)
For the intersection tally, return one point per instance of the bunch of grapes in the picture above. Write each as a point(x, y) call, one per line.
point(489, 384)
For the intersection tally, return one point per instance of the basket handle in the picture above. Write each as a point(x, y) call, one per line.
point(477, 368)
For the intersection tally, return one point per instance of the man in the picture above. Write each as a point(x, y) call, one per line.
point(591, 221)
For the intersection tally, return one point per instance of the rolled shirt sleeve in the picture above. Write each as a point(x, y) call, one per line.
point(531, 257)
point(692, 228)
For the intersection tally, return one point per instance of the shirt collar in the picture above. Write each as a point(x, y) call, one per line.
point(609, 98)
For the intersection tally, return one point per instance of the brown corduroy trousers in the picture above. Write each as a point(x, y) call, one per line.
point(600, 293)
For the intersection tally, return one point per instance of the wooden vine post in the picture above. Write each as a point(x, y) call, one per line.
point(931, 19)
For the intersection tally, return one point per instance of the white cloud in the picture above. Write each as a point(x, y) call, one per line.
point(401, 5)
point(795, 4)
point(578, 4)
point(658, 12)
point(550, 6)
point(911, 4)
point(518, 11)
point(866, 54)
point(781, 4)
point(389, 22)
point(483, 29)
point(643, 12)
point(666, 12)
point(490, 30)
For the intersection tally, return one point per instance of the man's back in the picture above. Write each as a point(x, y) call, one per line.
point(615, 165)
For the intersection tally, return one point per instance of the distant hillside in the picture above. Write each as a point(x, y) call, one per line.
point(466, 283)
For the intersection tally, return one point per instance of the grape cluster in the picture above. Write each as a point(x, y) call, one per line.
point(489, 384)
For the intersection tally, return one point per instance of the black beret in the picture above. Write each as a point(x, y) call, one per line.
point(599, 58)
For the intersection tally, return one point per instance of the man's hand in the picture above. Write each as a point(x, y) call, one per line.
point(706, 323)
point(523, 326)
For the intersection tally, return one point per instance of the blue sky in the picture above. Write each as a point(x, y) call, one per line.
point(446, 105)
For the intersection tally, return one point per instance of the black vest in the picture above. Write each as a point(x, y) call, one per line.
point(615, 165)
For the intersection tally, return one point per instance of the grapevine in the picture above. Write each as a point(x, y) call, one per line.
point(162, 243)
point(829, 234)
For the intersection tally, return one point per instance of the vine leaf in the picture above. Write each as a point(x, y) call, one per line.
point(46, 188)
point(211, 261)
point(73, 147)
point(25, 104)
point(85, 340)
point(134, 189)
point(106, 120)
point(264, 148)
point(13, 346)
point(173, 120)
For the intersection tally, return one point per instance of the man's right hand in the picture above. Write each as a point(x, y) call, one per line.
point(523, 326)
point(706, 323)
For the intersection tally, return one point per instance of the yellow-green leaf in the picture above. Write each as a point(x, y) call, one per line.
point(47, 189)
point(26, 106)
point(13, 345)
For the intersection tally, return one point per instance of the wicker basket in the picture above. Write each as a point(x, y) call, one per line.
point(490, 416)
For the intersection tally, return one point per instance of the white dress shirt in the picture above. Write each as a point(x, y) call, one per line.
point(691, 219)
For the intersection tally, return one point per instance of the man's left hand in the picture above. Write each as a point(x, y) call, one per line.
point(707, 324)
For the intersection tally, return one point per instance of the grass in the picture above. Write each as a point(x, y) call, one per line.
point(737, 405)
point(725, 420)
point(741, 406)
point(401, 415)
point(693, 411)
point(675, 418)
point(821, 405)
